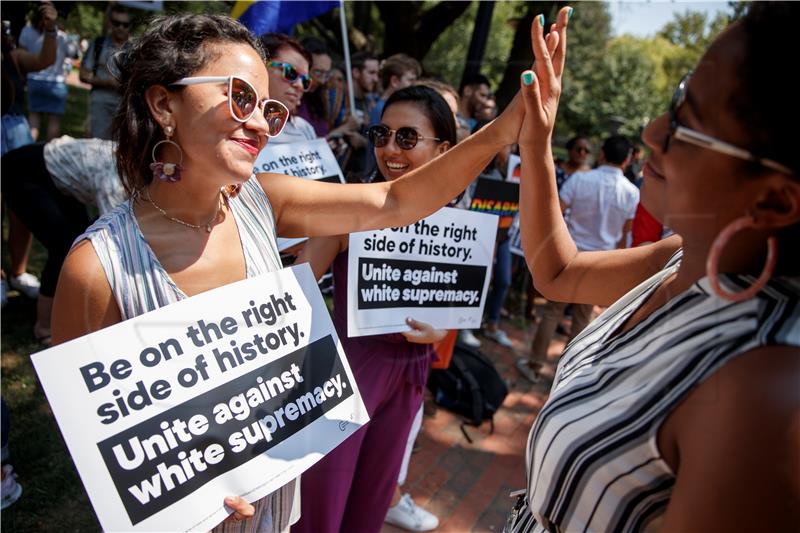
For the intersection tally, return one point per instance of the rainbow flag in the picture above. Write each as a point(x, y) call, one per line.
point(264, 16)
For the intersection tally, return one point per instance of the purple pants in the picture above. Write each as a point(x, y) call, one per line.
point(351, 488)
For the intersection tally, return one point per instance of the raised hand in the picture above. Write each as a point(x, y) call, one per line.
point(541, 85)
point(48, 14)
point(510, 121)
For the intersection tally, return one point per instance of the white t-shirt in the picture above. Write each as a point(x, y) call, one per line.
point(32, 41)
point(297, 129)
point(600, 202)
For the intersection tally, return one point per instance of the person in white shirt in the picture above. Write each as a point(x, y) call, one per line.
point(47, 88)
point(602, 204)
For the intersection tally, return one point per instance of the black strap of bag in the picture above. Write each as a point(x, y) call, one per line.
point(98, 49)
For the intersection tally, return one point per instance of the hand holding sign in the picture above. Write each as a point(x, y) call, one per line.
point(422, 333)
point(436, 270)
point(233, 391)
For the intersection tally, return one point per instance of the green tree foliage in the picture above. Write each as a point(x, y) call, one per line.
point(581, 110)
point(626, 94)
point(692, 33)
point(85, 19)
point(447, 57)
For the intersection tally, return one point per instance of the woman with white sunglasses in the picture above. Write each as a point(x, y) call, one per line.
point(193, 116)
point(678, 408)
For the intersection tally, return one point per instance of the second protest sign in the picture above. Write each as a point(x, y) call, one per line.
point(436, 271)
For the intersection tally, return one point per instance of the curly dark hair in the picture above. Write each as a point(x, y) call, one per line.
point(172, 47)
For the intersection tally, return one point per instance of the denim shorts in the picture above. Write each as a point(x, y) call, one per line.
point(47, 96)
point(15, 132)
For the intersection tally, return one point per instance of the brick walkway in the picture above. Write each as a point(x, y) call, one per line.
point(467, 485)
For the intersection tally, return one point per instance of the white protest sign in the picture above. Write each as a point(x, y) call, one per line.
point(234, 391)
point(307, 159)
point(436, 270)
point(514, 169)
point(515, 238)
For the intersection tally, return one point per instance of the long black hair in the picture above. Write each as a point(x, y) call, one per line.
point(432, 105)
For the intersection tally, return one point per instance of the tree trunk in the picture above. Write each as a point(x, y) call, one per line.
point(411, 30)
point(520, 57)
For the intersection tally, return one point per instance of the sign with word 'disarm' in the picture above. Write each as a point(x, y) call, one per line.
point(237, 390)
point(436, 270)
point(312, 160)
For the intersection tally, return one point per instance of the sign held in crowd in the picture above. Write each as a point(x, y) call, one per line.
point(312, 160)
point(514, 168)
point(495, 197)
point(436, 270)
point(234, 391)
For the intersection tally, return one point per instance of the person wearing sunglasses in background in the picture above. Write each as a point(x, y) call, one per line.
point(94, 71)
point(352, 488)
point(578, 151)
point(678, 408)
point(195, 112)
point(289, 80)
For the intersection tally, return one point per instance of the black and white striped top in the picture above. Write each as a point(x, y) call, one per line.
point(593, 462)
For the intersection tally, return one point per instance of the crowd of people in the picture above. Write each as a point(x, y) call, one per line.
point(692, 366)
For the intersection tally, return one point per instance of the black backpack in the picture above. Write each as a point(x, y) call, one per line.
point(470, 386)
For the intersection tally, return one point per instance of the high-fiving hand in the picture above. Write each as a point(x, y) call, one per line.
point(541, 85)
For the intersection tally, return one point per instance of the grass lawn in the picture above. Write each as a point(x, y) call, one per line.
point(53, 498)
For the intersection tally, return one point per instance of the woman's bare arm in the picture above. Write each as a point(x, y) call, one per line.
point(559, 271)
point(29, 62)
point(320, 252)
point(310, 208)
point(737, 437)
point(83, 302)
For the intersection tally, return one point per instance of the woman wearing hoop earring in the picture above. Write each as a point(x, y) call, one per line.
point(678, 407)
point(196, 98)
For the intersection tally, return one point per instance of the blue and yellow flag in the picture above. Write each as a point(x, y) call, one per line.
point(265, 16)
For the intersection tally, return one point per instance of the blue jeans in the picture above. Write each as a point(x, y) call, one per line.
point(501, 280)
point(15, 133)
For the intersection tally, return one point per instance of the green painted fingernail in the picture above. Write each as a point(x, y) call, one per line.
point(569, 13)
point(541, 20)
point(527, 77)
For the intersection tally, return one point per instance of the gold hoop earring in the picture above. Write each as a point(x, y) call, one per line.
point(164, 171)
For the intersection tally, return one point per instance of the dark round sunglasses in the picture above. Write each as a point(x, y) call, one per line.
point(290, 74)
point(405, 137)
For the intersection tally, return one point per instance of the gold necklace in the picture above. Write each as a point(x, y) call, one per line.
point(206, 226)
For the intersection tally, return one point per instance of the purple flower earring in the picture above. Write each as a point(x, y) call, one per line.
point(169, 172)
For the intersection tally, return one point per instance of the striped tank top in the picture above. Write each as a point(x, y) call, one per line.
point(593, 462)
point(140, 284)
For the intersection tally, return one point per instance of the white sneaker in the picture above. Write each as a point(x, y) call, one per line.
point(3, 292)
point(499, 336)
point(407, 515)
point(468, 338)
point(10, 490)
point(26, 283)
